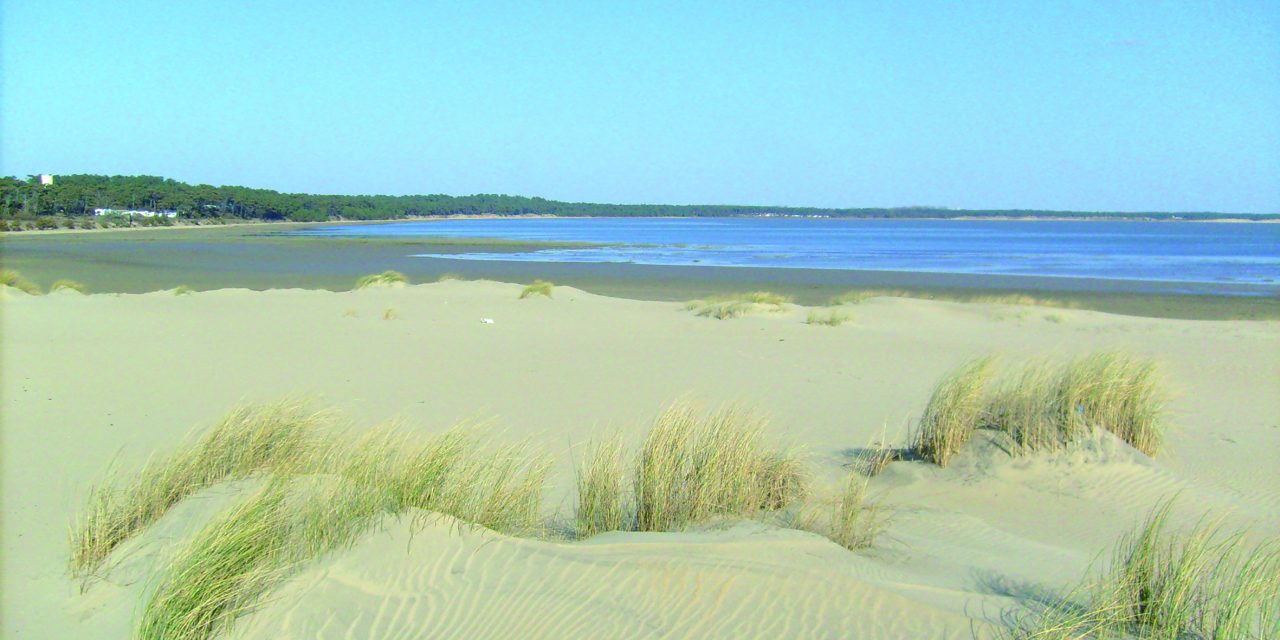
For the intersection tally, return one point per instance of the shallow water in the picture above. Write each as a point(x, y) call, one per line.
point(1155, 251)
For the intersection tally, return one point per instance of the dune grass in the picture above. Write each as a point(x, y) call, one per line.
point(67, 285)
point(602, 499)
point(385, 279)
point(183, 290)
point(247, 440)
point(538, 288)
point(954, 411)
point(829, 317)
point(324, 487)
point(446, 277)
point(691, 467)
point(725, 307)
point(1049, 406)
point(390, 313)
point(1203, 584)
point(1046, 406)
point(855, 523)
point(857, 296)
point(11, 278)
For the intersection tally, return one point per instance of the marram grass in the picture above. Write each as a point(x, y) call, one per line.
point(828, 317)
point(67, 285)
point(385, 279)
point(724, 307)
point(858, 296)
point(1047, 405)
point(953, 412)
point(11, 278)
point(1202, 584)
point(537, 288)
point(850, 520)
point(247, 440)
point(603, 504)
point(691, 467)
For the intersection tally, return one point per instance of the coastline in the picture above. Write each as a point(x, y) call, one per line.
point(256, 256)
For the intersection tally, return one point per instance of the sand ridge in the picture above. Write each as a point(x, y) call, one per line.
point(94, 380)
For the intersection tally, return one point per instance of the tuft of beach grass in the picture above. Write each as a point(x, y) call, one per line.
point(11, 278)
point(828, 317)
point(1048, 406)
point(1159, 584)
point(183, 290)
point(724, 307)
point(954, 411)
point(246, 441)
point(602, 500)
point(385, 279)
point(692, 467)
point(67, 285)
point(538, 288)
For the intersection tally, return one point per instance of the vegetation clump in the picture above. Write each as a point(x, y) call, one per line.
point(690, 468)
point(537, 287)
point(829, 318)
point(11, 278)
point(385, 279)
point(1046, 406)
point(954, 411)
point(724, 307)
point(183, 290)
point(1203, 584)
point(858, 296)
point(67, 285)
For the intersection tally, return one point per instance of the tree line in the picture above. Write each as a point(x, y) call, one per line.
point(73, 196)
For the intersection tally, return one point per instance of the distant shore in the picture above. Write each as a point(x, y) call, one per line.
point(257, 256)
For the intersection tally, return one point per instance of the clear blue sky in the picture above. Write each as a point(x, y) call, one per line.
point(1054, 105)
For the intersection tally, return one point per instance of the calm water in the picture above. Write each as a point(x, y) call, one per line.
point(1163, 251)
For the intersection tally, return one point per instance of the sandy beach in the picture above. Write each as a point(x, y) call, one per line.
point(106, 381)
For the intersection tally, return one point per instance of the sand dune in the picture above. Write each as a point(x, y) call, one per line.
point(92, 381)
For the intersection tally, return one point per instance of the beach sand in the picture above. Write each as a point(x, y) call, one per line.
point(107, 380)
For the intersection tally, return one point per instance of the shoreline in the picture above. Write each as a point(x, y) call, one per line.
point(257, 256)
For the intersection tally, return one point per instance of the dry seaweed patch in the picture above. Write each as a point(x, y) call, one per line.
point(1203, 584)
point(729, 306)
point(1046, 406)
point(537, 288)
point(385, 279)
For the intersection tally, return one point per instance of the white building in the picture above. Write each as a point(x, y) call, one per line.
point(46, 179)
point(170, 213)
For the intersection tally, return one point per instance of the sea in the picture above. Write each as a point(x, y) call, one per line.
point(1167, 251)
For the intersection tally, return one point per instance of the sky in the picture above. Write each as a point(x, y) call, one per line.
point(1104, 106)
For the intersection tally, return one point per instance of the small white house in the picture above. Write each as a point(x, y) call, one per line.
point(169, 213)
point(46, 179)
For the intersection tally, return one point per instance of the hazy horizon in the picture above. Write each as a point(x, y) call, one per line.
point(1080, 107)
